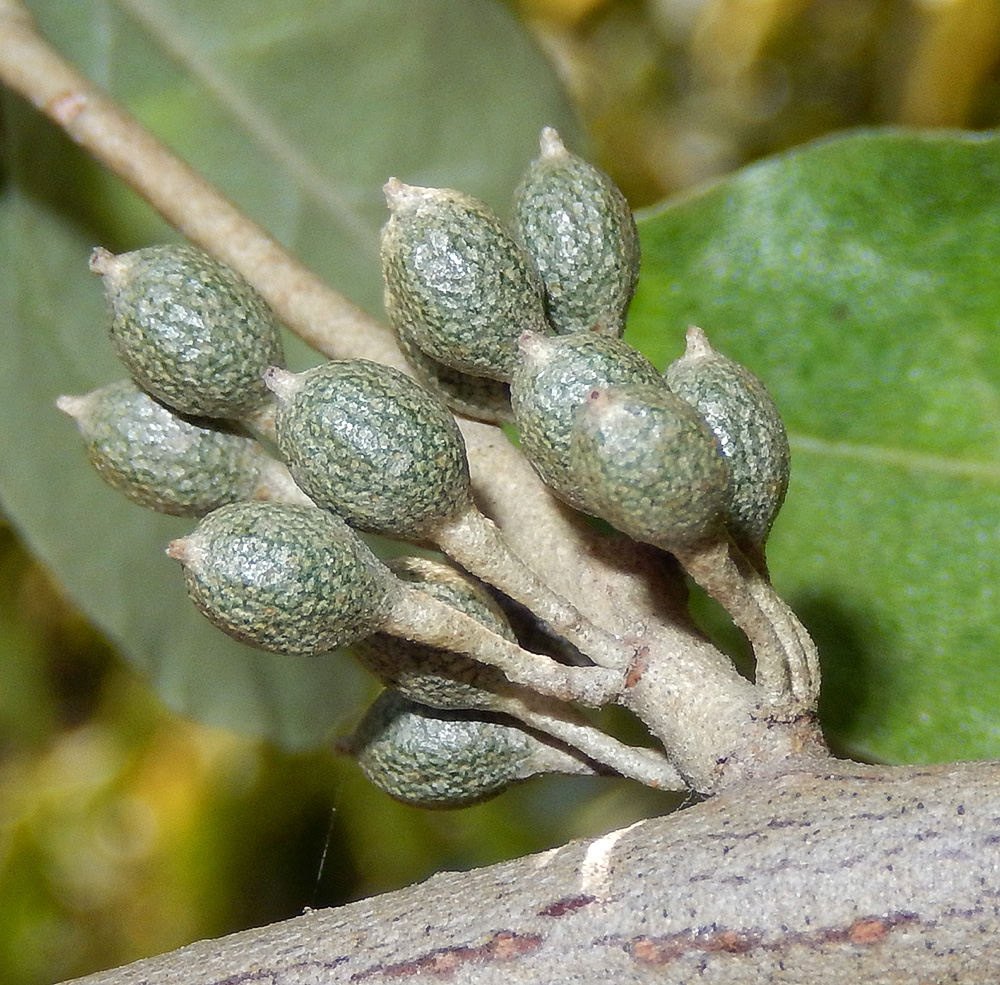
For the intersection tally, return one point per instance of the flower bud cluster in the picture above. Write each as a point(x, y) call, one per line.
point(519, 322)
point(541, 306)
point(461, 286)
point(195, 339)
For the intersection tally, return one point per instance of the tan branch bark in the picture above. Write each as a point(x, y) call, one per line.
point(874, 875)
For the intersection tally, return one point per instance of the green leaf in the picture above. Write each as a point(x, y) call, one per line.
point(858, 278)
point(299, 111)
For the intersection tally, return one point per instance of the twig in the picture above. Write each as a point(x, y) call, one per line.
point(324, 319)
point(421, 618)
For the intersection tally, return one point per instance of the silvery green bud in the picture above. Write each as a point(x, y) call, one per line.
point(554, 377)
point(457, 285)
point(291, 579)
point(160, 459)
point(433, 676)
point(477, 397)
point(578, 228)
point(745, 419)
point(371, 444)
point(190, 331)
point(438, 759)
point(646, 462)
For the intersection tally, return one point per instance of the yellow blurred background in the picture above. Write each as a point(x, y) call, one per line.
point(676, 92)
point(125, 830)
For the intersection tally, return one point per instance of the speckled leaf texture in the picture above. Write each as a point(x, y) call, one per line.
point(858, 278)
point(300, 111)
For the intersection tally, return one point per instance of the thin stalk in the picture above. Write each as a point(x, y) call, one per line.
point(420, 618)
point(475, 542)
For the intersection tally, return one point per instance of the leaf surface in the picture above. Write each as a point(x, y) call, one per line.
point(299, 111)
point(858, 278)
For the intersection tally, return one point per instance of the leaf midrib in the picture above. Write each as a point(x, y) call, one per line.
point(897, 458)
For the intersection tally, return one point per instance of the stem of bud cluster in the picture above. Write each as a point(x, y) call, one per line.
point(419, 617)
point(787, 661)
point(648, 766)
point(475, 542)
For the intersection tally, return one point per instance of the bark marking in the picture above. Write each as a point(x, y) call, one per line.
point(637, 668)
point(504, 945)
point(566, 905)
point(862, 932)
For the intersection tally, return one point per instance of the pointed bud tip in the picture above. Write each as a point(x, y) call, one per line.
point(399, 195)
point(697, 344)
point(281, 382)
point(103, 261)
point(180, 549)
point(392, 189)
point(527, 341)
point(71, 406)
point(598, 401)
point(535, 347)
point(551, 143)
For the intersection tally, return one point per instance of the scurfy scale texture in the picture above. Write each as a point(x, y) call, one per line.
point(430, 758)
point(190, 330)
point(578, 228)
point(371, 444)
point(457, 285)
point(477, 397)
point(159, 459)
point(743, 416)
point(553, 379)
point(646, 462)
point(291, 579)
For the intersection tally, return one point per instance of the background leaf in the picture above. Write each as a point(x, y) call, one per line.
point(299, 111)
point(857, 277)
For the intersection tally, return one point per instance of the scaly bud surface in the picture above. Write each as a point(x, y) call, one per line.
point(371, 444)
point(291, 579)
point(745, 419)
point(578, 228)
point(646, 462)
point(457, 285)
point(159, 459)
point(190, 331)
point(438, 759)
point(554, 377)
